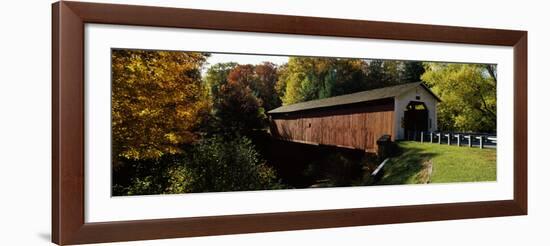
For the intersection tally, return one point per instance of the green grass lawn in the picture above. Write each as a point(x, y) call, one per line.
point(447, 164)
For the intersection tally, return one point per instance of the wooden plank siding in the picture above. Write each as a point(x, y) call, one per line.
point(355, 126)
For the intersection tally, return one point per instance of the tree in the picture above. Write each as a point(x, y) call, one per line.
point(346, 76)
point(243, 96)
point(266, 79)
point(412, 71)
point(297, 80)
point(282, 79)
point(261, 79)
point(288, 84)
point(244, 75)
point(383, 73)
point(216, 76)
point(158, 100)
point(376, 75)
point(217, 165)
point(237, 107)
point(310, 78)
point(468, 94)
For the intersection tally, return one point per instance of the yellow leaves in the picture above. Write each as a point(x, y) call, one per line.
point(173, 138)
point(468, 94)
point(130, 154)
point(172, 150)
point(157, 101)
point(144, 112)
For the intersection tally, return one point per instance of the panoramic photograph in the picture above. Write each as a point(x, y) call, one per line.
point(193, 122)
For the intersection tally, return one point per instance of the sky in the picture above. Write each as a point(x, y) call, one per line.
point(243, 59)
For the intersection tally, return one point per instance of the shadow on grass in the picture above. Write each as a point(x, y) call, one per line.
point(405, 166)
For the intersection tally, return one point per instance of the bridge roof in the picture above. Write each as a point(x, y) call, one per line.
point(363, 96)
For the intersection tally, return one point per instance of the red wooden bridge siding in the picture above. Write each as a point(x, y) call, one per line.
point(353, 126)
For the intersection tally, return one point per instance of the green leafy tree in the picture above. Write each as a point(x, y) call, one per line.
point(382, 73)
point(347, 76)
point(217, 165)
point(376, 76)
point(309, 78)
point(296, 79)
point(288, 84)
point(216, 77)
point(468, 93)
point(393, 72)
point(412, 71)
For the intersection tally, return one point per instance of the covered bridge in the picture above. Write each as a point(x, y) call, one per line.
point(357, 120)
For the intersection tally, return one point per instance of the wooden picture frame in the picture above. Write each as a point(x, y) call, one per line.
point(68, 224)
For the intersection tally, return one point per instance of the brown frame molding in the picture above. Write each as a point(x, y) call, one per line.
point(68, 19)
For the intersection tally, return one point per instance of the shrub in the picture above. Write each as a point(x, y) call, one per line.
point(212, 165)
point(216, 165)
point(141, 177)
point(180, 179)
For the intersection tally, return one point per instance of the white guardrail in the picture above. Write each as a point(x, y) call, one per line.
point(479, 140)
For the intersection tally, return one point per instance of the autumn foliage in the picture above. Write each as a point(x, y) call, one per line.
point(158, 100)
point(178, 127)
point(172, 132)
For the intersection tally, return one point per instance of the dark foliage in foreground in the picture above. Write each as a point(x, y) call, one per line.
point(213, 165)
